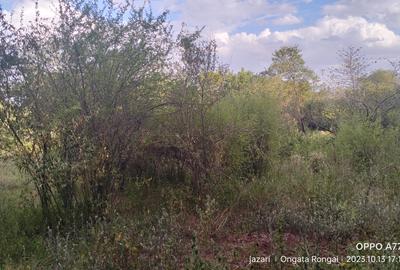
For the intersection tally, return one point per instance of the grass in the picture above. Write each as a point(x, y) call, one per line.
point(20, 220)
point(308, 203)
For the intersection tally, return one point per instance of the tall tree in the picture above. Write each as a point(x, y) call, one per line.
point(289, 65)
point(369, 94)
point(352, 69)
point(76, 94)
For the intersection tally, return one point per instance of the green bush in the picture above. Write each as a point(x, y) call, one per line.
point(20, 229)
point(250, 124)
point(360, 142)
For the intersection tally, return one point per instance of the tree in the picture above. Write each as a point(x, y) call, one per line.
point(381, 95)
point(352, 69)
point(371, 95)
point(76, 94)
point(198, 85)
point(288, 64)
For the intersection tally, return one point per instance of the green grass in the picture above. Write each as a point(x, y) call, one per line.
point(20, 219)
point(316, 195)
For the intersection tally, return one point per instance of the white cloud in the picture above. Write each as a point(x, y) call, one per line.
point(367, 23)
point(383, 11)
point(228, 15)
point(319, 43)
point(289, 19)
point(349, 29)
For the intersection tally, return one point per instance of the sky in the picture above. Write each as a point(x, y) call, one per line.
point(248, 31)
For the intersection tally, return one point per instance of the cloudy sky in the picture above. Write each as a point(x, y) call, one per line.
point(248, 31)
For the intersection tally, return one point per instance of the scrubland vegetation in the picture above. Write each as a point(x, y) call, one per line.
point(127, 145)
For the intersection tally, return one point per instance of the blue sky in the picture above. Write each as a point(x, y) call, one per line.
point(248, 31)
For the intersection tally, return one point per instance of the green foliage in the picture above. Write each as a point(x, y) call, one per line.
point(20, 228)
point(20, 219)
point(288, 63)
point(143, 152)
point(149, 242)
point(78, 98)
point(196, 262)
point(319, 113)
point(361, 143)
point(250, 124)
point(380, 96)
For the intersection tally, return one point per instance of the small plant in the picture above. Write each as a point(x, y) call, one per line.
point(207, 216)
point(195, 261)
